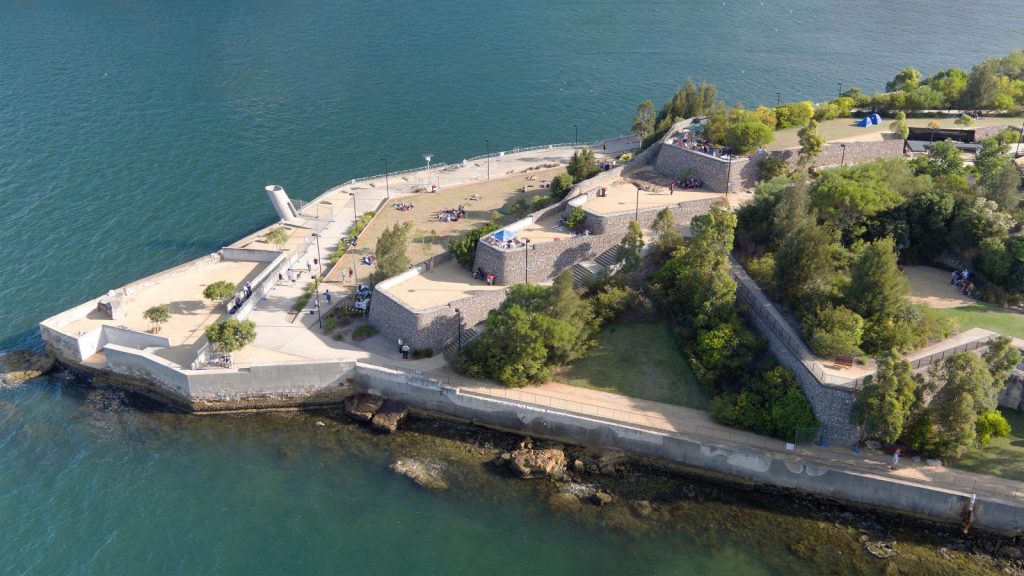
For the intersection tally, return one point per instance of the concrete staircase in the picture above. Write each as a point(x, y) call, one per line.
point(609, 257)
point(583, 272)
point(468, 335)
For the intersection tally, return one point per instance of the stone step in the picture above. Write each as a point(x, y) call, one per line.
point(467, 336)
point(609, 257)
point(581, 275)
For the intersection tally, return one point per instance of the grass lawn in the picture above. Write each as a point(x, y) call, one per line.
point(641, 360)
point(1006, 322)
point(1003, 457)
point(845, 128)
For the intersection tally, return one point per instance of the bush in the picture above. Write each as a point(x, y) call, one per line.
point(747, 135)
point(541, 202)
point(330, 324)
point(835, 331)
point(422, 353)
point(278, 237)
point(464, 247)
point(576, 218)
point(363, 332)
point(762, 271)
point(582, 165)
point(611, 301)
point(231, 334)
point(772, 167)
point(773, 405)
point(157, 315)
point(625, 157)
point(560, 185)
point(991, 425)
point(219, 290)
point(306, 296)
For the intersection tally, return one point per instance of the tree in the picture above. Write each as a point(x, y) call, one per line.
point(877, 287)
point(899, 126)
point(391, 251)
point(582, 165)
point(804, 272)
point(905, 81)
point(835, 331)
point(157, 315)
point(669, 237)
point(967, 389)
point(951, 83)
point(747, 135)
point(219, 291)
point(810, 143)
point(231, 334)
point(772, 167)
point(643, 122)
point(794, 114)
point(278, 237)
point(991, 425)
point(464, 247)
point(630, 247)
point(1001, 357)
point(577, 216)
point(964, 120)
point(883, 406)
point(847, 197)
point(944, 160)
point(997, 174)
point(561, 185)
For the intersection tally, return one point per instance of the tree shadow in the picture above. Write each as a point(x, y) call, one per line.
point(188, 307)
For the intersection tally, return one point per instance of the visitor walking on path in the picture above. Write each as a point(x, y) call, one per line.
point(327, 294)
point(895, 459)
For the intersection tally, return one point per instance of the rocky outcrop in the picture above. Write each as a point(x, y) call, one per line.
point(540, 462)
point(362, 407)
point(22, 365)
point(426, 473)
point(389, 415)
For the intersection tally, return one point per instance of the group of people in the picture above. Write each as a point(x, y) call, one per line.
point(368, 260)
point(606, 165)
point(240, 297)
point(704, 147)
point(963, 282)
point(684, 184)
point(451, 214)
point(403, 206)
point(479, 274)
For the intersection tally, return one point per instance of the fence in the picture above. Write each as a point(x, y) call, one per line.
point(942, 355)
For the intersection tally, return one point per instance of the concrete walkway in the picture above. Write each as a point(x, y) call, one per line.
point(683, 421)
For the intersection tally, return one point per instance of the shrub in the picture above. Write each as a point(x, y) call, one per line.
point(835, 331)
point(772, 167)
point(576, 218)
point(762, 270)
point(464, 247)
point(307, 294)
point(330, 324)
point(219, 290)
point(157, 315)
point(747, 135)
point(231, 334)
point(560, 185)
point(422, 353)
point(582, 165)
point(363, 332)
point(991, 425)
point(793, 114)
point(542, 201)
point(278, 237)
point(772, 405)
point(611, 301)
point(625, 157)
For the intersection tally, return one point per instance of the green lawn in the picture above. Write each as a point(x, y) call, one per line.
point(1006, 322)
point(640, 360)
point(1003, 457)
point(843, 128)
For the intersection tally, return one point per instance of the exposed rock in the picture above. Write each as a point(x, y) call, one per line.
point(363, 406)
point(426, 473)
point(389, 415)
point(601, 498)
point(578, 467)
point(1009, 552)
point(881, 549)
point(22, 365)
point(540, 463)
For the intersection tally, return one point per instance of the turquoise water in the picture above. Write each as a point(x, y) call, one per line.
point(137, 135)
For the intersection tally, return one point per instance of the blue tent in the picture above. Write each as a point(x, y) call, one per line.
point(865, 122)
point(504, 235)
point(875, 119)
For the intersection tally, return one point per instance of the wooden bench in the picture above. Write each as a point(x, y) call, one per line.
point(844, 361)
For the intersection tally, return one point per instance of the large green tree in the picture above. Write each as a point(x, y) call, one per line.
point(391, 251)
point(811, 143)
point(747, 135)
point(643, 122)
point(877, 287)
point(905, 81)
point(231, 334)
point(883, 406)
point(582, 165)
point(630, 247)
point(669, 237)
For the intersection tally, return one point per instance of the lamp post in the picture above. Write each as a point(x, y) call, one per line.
point(527, 252)
point(842, 161)
point(387, 187)
point(428, 157)
point(840, 89)
point(636, 214)
point(487, 141)
point(319, 314)
point(576, 138)
point(354, 215)
point(319, 255)
point(728, 179)
point(778, 98)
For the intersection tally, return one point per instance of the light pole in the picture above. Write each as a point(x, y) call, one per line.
point(778, 98)
point(354, 215)
point(428, 157)
point(319, 314)
point(576, 138)
point(636, 214)
point(488, 142)
point(842, 161)
point(840, 89)
point(527, 252)
point(387, 187)
point(319, 255)
point(728, 179)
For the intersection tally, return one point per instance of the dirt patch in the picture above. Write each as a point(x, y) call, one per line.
point(931, 286)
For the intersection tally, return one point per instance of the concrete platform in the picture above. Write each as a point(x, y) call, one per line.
point(445, 283)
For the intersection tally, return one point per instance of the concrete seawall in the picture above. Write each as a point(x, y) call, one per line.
point(746, 464)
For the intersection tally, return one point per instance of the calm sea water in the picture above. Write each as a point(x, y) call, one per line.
point(137, 135)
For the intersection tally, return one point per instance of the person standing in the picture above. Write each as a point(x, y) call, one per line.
point(671, 188)
point(309, 266)
point(895, 459)
point(400, 344)
point(327, 294)
point(405, 352)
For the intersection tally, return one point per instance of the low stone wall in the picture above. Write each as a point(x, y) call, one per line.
point(990, 131)
point(547, 259)
point(673, 161)
point(617, 224)
point(435, 328)
point(746, 464)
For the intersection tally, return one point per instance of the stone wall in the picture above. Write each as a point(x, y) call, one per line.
point(675, 160)
point(771, 465)
point(990, 131)
point(617, 224)
point(434, 328)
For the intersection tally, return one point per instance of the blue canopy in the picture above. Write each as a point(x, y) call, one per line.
point(504, 235)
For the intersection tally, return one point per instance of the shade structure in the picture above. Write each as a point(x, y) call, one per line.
point(504, 235)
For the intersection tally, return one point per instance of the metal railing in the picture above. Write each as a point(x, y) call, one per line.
point(943, 354)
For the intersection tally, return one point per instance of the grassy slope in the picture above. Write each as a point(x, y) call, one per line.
point(1003, 457)
point(993, 318)
point(639, 360)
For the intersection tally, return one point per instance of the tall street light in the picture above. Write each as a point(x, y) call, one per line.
point(319, 255)
point(387, 187)
point(842, 162)
point(840, 89)
point(488, 142)
point(428, 158)
point(778, 98)
point(728, 179)
point(354, 215)
point(527, 252)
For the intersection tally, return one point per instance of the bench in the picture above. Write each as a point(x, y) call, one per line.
point(844, 361)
